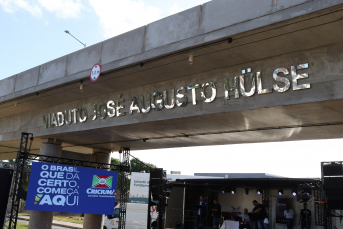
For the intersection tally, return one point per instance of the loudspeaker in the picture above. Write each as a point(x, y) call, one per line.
point(333, 187)
point(332, 169)
point(333, 182)
point(335, 203)
point(6, 179)
point(334, 194)
point(156, 176)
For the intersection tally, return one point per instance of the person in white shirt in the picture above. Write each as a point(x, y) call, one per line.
point(289, 215)
point(245, 220)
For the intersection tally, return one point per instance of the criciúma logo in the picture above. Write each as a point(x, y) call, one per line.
point(102, 185)
point(101, 181)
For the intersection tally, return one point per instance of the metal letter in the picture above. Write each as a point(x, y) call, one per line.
point(60, 118)
point(134, 106)
point(147, 110)
point(234, 88)
point(85, 115)
point(214, 92)
point(296, 77)
point(260, 90)
point(181, 96)
point(53, 120)
point(281, 79)
point(75, 114)
point(46, 120)
point(120, 106)
point(159, 102)
point(95, 112)
point(194, 95)
point(111, 111)
point(253, 85)
point(67, 115)
point(104, 110)
point(172, 98)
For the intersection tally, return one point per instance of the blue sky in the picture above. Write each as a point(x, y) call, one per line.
point(33, 30)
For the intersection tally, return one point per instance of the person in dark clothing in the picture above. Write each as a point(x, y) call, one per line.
point(200, 211)
point(216, 213)
point(261, 214)
point(305, 218)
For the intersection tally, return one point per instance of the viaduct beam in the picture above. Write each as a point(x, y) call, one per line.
point(290, 52)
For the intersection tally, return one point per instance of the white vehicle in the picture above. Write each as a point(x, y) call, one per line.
point(136, 217)
point(112, 221)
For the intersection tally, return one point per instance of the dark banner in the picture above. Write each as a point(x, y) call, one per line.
point(6, 179)
point(62, 188)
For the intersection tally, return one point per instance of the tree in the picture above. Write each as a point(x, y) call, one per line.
point(136, 166)
point(26, 175)
point(139, 167)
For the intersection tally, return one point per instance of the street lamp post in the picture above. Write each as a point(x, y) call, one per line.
point(66, 31)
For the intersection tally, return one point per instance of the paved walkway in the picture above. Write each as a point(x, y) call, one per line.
point(56, 222)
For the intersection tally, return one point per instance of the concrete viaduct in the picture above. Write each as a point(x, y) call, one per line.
point(263, 71)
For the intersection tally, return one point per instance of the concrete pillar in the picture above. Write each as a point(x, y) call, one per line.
point(92, 221)
point(43, 219)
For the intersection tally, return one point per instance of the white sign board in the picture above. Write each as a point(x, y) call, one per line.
point(139, 188)
point(175, 172)
point(95, 72)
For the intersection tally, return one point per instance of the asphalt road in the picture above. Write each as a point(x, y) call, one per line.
point(136, 216)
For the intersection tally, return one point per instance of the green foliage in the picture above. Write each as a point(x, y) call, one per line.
point(115, 161)
point(26, 176)
point(21, 225)
point(136, 166)
point(25, 181)
point(139, 167)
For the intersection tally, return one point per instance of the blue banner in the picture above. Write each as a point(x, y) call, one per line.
point(62, 188)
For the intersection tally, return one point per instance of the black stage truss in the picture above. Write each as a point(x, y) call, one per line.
point(21, 166)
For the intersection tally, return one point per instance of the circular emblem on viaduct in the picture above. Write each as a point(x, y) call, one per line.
point(95, 72)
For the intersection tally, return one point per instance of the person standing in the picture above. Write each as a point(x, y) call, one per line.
point(245, 220)
point(289, 215)
point(260, 212)
point(305, 218)
point(216, 213)
point(201, 211)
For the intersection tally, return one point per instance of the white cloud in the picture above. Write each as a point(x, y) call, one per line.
point(12, 6)
point(63, 8)
point(120, 16)
point(175, 9)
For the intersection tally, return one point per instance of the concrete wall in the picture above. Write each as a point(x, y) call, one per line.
point(324, 76)
point(245, 201)
point(214, 20)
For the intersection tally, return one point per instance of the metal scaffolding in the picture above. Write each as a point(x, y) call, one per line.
point(124, 186)
point(318, 207)
point(14, 198)
point(21, 166)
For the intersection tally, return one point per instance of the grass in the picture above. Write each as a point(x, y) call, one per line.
point(71, 219)
point(21, 226)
